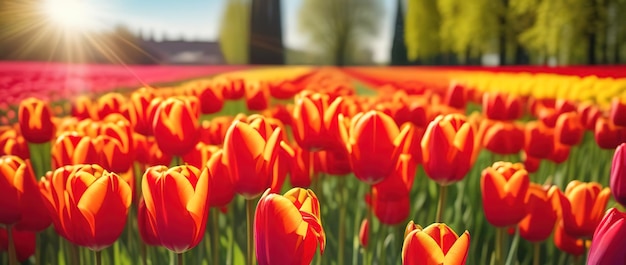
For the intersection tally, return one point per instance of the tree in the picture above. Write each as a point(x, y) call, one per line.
point(469, 28)
point(398, 47)
point(336, 27)
point(234, 31)
point(422, 29)
point(266, 35)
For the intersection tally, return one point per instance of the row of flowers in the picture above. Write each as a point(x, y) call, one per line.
point(90, 165)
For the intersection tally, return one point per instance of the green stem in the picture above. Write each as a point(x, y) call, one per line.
point(98, 255)
point(585, 250)
point(442, 200)
point(536, 253)
point(499, 241)
point(368, 249)
point(143, 252)
point(75, 255)
point(11, 243)
point(215, 236)
point(342, 218)
point(249, 223)
point(180, 259)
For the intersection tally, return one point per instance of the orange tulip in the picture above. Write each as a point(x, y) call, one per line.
point(84, 108)
point(569, 129)
point(582, 207)
point(176, 125)
point(250, 158)
point(539, 222)
point(412, 143)
point(148, 153)
point(436, 244)
point(288, 228)
point(315, 121)
point(538, 140)
point(110, 103)
point(334, 162)
point(21, 205)
point(115, 144)
point(200, 155)
point(364, 233)
point(73, 149)
point(36, 121)
point(501, 106)
point(504, 188)
point(13, 143)
point(88, 204)
point(174, 209)
point(373, 145)
point(390, 198)
point(618, 112)
point(24, 243)
point(142, 108)
point(448, 148)
point(300, 166)
point(223, 187)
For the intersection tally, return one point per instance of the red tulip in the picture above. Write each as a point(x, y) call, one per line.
point(531, 164)
point(142, 108)
point(569, 129)
point(456, 96)
point(502, 137)
point(148, 152)
point(334, 162)
point(607, 135)
point(174, 209)
point(13, 144)
point(538, 140)
point(175, 125)
point(618, 174)
point(36, 121)
point(608, 240)
point(315, 121)
point(84, 108)
point(88, 205)
point(257, 95)
point(250, 158)
point(618, 112)
point(25, 243)
point(21, 205)
point(110, 103)
point(73, 149)
point(589, 114)
point(373, 146)
point(448, 148)
point(211, 99)
point(288, 228)
point(504, 189)
point(560, 153)
point(200, 155)
point(539, 222)
point(223, 187)
point(582, 207)
point(501, 106)
point(435, 244)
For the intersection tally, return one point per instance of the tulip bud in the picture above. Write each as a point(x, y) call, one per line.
point(435, 244)
point(504, 187)
point(608, 240)
point(36, 121)
point(288, 228)
point(364, 233)
point(618, 174)
point(176, 125)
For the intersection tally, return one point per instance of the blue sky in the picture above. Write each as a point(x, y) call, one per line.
point(200, 19)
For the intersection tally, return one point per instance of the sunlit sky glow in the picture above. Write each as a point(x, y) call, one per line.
point(200, 19)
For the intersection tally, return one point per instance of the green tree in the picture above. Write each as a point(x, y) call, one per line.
point(470, 28)
point(234, 31)
point(336, 27)
point(422, 30)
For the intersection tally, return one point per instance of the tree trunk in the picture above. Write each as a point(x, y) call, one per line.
point(591, 48)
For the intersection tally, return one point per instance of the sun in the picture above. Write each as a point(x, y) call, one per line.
point(70, 15)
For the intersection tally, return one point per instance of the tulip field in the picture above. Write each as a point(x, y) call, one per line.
point(313, 165)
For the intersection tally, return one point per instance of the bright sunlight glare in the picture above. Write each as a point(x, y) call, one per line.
point(74, 15)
